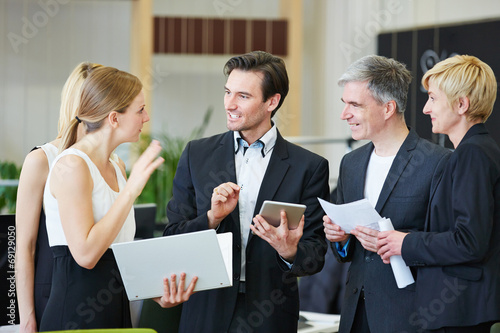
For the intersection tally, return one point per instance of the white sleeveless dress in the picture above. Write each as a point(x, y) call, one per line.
point(81, 298)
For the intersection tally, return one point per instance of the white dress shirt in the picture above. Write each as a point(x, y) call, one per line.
point(251, 164)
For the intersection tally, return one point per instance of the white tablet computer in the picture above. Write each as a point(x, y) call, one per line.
point(271, 210)
point(143, 264)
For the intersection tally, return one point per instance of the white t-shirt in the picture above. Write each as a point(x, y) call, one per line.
point(376, 173)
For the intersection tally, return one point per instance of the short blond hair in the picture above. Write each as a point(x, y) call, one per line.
point(465, 76)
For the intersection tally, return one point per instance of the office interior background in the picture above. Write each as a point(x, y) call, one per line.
point(179, 47)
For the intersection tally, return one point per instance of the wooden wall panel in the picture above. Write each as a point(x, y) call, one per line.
point(182, 35)
point(259, 35)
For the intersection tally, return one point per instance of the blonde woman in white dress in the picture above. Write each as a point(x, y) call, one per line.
point(88, 203)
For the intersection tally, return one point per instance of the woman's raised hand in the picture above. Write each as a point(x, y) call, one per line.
point(144, 167)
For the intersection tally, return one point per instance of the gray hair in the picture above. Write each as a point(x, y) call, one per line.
point(387, 79)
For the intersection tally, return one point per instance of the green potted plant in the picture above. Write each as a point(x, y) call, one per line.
point(9, 176)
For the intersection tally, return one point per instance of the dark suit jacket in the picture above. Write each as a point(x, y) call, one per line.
point(293, 175)
point(459, 281)
point(403, 199)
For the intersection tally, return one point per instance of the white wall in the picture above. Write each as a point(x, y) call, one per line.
point(218, 8)
point(187, 87)
point(42, 41)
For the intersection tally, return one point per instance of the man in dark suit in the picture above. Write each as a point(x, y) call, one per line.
point(221, 183)
point(394, 172)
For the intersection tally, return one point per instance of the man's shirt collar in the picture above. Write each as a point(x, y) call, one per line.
point(266, 142)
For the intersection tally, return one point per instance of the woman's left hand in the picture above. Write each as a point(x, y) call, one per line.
point(174, 295)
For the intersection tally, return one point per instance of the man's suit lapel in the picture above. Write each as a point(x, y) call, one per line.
point(224, 158)
point(358, 172)
point(400, 163)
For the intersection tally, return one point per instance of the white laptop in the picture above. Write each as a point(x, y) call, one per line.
point(143, 264)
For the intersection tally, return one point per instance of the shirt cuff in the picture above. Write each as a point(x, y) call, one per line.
point(287, 263)
point(342, 251)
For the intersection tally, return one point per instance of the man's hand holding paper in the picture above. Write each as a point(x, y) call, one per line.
point(333, 231)
point(358, 218)
point(349, 216)
point(367, 237)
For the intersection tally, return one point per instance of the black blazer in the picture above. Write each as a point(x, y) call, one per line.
point(403, 199)
point(293, 175)
point(459, 254)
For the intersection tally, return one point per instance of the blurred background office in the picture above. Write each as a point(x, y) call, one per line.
point(178, 48)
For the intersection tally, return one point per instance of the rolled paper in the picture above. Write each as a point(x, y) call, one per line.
point(402, 273)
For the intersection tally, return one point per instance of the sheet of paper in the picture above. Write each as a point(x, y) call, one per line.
point(402, 273)
point(352, 214)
